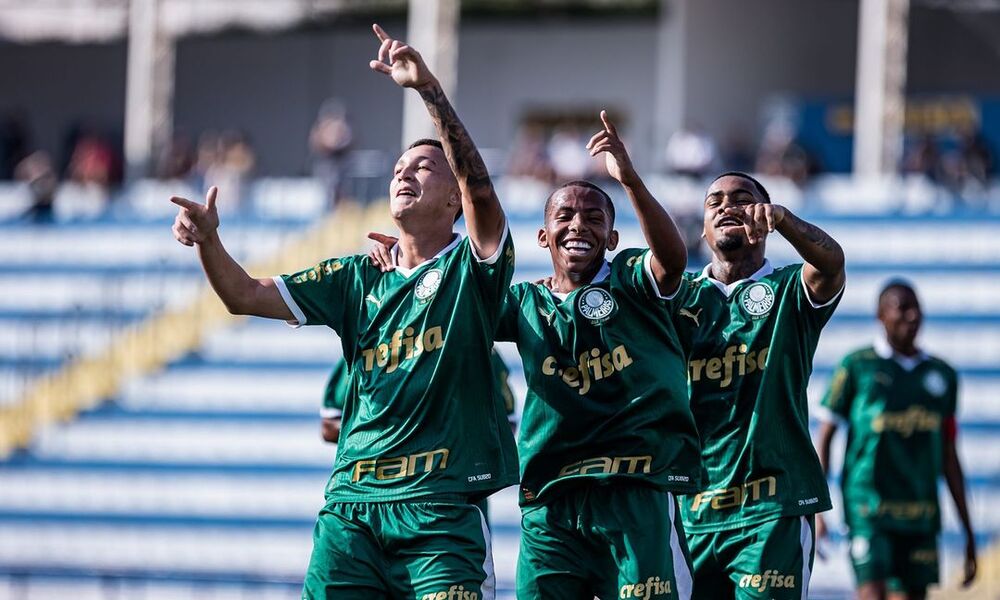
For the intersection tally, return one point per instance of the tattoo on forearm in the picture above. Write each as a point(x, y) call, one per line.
point(462, 154)
point(814, 235)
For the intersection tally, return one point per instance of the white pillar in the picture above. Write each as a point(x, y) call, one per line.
point(432, 28)
point(148, 89)
point(880, 90)
point(670, 73)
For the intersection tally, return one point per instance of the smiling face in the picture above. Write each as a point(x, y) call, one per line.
point(579, 229)
point(901, 316)
point(725, 233)
point(423, 186)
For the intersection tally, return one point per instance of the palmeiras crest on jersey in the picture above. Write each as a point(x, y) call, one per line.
point(428, 284)
point(596, 304)
point(935, 384)
point(757, 300)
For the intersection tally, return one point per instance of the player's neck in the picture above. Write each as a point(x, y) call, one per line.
point(907, 349)
point(564, 281)
point(418, 248)
point(728, 269)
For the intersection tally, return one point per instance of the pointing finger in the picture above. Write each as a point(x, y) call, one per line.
point(608, 125)
point(379, 32)
point(185, 203)
point(385, 240)
point(383, 50)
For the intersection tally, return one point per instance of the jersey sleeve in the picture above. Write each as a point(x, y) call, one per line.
point(501, 374)
point(321, 295)
point(816, 312)
point(836, 403)
point(951, 400)
point(510, 310)
point(493, 273)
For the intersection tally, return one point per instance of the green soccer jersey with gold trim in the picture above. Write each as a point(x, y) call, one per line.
point(894, 408)
point(424, 417)
point(752, 348)
point(607, 396)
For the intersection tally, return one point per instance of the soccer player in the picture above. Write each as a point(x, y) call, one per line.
point(899, 406)
point(754, 330)
point(607, 436)
point(429, 436)
point(338, 386)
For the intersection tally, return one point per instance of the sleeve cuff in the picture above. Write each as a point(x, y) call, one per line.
point(812, 303)
point(647, 262)
point(499, 251)
point(300, 317)
point(825, 415)
point(330, 413)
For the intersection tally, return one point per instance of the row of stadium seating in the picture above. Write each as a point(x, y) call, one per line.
point(210, 472)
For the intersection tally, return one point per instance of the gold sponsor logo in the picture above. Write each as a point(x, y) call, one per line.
point(767, 579)
point(610, 465)
point(455, 592)
point(927, 556)
point(316, 273)
point(652, 587)
point(592, 366)
point(903, 511)
point(737, 495)
point(734, 362)
point(404, 344)
point(401, 466)
point(906, 422)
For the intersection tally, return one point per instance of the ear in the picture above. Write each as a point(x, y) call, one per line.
point(613, 239)
point(543, 239)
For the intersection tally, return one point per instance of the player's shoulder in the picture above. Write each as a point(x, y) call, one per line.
point(860, 356)
point(787, 272)
point(941, 365)
point(628, 257)
point(330, 267)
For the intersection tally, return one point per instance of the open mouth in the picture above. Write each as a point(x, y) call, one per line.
point(728, 221)
point(577, 247)
point(406, 192)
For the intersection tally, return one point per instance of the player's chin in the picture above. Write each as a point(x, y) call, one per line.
point(730, 242)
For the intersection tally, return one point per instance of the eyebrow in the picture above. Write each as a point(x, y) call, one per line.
point(417, 160)
point(736, 191)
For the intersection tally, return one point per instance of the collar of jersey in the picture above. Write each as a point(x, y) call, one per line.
point(394, 253)
point(602, 274)
point(727, 290)
point(884, 350)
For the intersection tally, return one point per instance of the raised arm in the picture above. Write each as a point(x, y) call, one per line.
point(823, 442)
point(198, 225)
point(669, 252)
point(484, 216)
point(956, 485)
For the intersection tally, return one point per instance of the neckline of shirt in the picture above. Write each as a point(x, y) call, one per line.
point(727, 290)
point(394, 254)
point(884, 350)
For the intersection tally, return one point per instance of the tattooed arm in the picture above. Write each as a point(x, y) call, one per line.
point(823, 272)
point(484, 216)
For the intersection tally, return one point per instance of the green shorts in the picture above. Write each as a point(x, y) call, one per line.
point(769, 560)
point(611, 541)
point(420, 550)
point(906, 562)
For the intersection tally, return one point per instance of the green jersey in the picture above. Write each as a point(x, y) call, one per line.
point(752, 348)
point(894, 408)
point(606, 390)
point(337, 389)
point(423, 417)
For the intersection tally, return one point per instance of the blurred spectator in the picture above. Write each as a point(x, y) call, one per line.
point(976, 157)
point(13, 143)
point(567, 149)
point(691, 152)
point(529, 158)
point(329, 142)
point(781, 155)
point(924, 158)
point(177, 159)
point(736, 152)
point(93, 167)
point(226, 161)
point(37, 172)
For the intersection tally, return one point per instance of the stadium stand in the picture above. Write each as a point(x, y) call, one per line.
point(203, 478)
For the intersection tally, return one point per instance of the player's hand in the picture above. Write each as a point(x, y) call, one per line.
point(970, 567)
point(759, 219)
point(401, 62)
point(380, 254)
point(195, 222)
point(547, 282)
point(617, 161)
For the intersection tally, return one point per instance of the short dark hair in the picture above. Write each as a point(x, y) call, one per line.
point(437, 144)
point(756, 184)
point(895, 285)
point(426, 142)
point(584, 184)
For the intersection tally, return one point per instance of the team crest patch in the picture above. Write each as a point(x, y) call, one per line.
point(428, 284)
point(758, 299)
point(935, 384)
point(860, 548)
point(597, 305)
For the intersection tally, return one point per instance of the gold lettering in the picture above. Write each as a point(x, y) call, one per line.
point(713, 370)
point(549, 366)
point(428, 458)
point(391, 468)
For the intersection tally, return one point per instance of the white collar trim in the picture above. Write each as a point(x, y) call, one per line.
point(394, 253)
point(884, 350)
point(602, 275)
point(765, 270)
